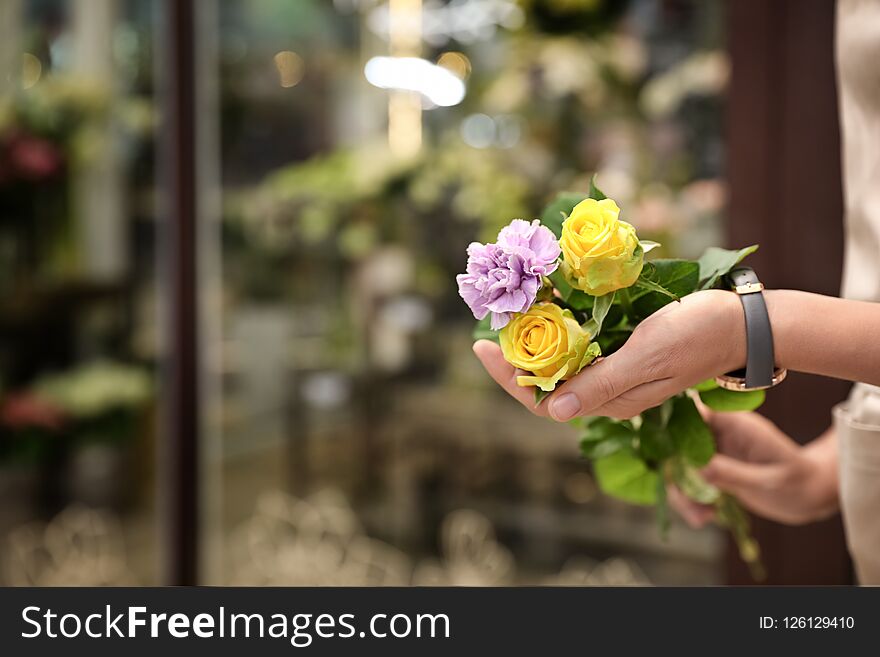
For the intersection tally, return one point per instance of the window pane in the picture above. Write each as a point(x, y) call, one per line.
point(353, 438)
point(78, 326)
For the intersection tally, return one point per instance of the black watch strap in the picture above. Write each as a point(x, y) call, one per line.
point(760, 360)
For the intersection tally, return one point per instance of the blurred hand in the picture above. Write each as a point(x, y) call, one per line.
point(767, 471)
point(675, 348)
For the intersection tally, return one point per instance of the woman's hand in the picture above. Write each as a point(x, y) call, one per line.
point(767, 471)
point(675, 348)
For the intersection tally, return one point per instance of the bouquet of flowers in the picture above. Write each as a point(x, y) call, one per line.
point(561, 292)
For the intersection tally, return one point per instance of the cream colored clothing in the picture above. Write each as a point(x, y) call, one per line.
point(857, 421)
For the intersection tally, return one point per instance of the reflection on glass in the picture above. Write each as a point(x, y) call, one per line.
point(361, 443)
point(77, 330)
point(348, 152)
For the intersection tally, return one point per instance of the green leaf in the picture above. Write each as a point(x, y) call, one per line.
point(604, 436)
point(648, 245)
point(575, 299)
point(601, 428)
point(675, 278)
point(595, 192)
point(483, 331)
point(680, 277)
point(655, 442)
point(690, 434)
point(720, 399)
point(545, 292)
point(662, 511)
point(627, 477)
point(561, 284)
point(541, 395)
point(715, 263)
point(601, 306)
point(555, 213)
point(579, 300)
point(708, 384)
point(653, 286)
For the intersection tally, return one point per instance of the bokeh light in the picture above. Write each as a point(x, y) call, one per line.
point(31, 70)
point(290, 68)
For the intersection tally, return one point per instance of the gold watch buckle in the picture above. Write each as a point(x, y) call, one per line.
point(749, 288)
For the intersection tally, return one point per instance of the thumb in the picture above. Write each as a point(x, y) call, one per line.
point(595, 386)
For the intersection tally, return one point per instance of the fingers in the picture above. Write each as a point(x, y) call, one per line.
point(505, 375)
point(695, 514)
point(638, 399)
point(738, 477)
point(750, 437)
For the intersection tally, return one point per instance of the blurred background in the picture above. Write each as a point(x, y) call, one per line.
point(231, 345)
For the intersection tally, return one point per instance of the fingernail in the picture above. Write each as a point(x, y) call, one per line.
point(565, 407)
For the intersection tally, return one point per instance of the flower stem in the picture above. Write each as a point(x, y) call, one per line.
point(732, 516)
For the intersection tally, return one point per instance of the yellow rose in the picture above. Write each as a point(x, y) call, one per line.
point(600, 253)
point(548, 342)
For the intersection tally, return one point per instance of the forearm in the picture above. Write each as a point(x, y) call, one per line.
point(823, 335)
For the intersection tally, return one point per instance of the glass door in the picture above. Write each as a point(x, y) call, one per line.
point(79, 328)
point(350, 436)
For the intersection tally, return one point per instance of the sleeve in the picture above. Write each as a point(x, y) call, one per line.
point(857, 422)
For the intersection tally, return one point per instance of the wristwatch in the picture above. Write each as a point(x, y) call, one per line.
point(760, 371)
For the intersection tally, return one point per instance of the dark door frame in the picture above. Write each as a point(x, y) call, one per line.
point(785, 183)
point(179, 442)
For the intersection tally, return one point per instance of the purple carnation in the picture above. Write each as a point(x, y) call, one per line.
point(504, 277)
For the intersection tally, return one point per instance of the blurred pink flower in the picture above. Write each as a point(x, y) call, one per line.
point(32, 158)
point(23, 410)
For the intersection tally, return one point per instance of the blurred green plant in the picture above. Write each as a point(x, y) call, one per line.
point(100, 401)
point(47, 132)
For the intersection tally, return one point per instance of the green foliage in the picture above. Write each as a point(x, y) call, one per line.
point(601, 306)
point(649, 245)
point(555, 213)
point(689, 481)
point(595, 192)
point(662, 508)
point(559, 209)
point(604, 436)
point(541, 395)
point(715, 263)
point(689, 432)
point(661, 282)
point(671, 440)
point(483, 331)
point(625, 475)
point(574, 299)
point(719, 399)
point(708, 384)
point(655, 442)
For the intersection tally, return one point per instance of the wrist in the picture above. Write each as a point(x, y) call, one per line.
point(734, 329)
point(777, 301)
point(820, 459)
